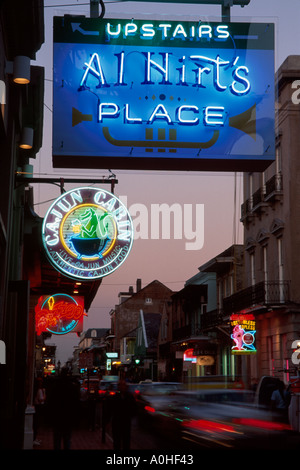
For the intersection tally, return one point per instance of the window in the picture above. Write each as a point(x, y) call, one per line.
point(148, 300)
point(280, 259)
point(280, 268)
point(251, 190)
point(252, 268)
point(164, 329)
point(270, 353)
point(265, 269)
point(265, 262)
point(284, 356)
point(203, 309)
point(278, 158)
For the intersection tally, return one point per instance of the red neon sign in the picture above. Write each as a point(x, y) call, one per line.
point(58, 314)
point(188, 355)
point(243, 333)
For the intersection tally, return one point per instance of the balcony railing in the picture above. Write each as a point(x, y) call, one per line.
point(266, 293)
point(186, 331)
point(273, 186)
point(211, 319)
point(258, 197)
point(271, 191)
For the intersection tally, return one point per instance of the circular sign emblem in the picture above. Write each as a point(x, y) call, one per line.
point(87, 233)
point(58, 314)
point(248, 338)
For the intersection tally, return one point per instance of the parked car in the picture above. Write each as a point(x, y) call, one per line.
point(108, 386)
point(89, 388)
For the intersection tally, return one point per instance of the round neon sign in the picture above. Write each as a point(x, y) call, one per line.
point(58, 314)
point(87, 233)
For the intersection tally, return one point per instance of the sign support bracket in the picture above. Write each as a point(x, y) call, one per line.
point(61, 181)
point(226, 5)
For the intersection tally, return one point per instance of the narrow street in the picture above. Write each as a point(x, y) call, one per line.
point(143, 439)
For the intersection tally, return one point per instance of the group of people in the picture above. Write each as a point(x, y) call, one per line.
point(63, 402)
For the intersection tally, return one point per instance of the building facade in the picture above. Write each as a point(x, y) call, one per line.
point(258, 281)
point(153, 298)
point(21, 36)
point(25, 273)
point(127, 338)
point(270, 215)
point(146, 346)
point(201, 338)
point(228, 268)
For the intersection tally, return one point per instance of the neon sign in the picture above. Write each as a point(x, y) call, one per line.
point(167, 30)
point(87, 233)
point(243, 333)
point(59, 314)
point(163, 95)
point(188, 356)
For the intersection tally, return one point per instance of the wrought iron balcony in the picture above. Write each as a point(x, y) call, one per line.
point(211, 319)
point(271, 192)
point(186, 331)
point(266, 293)
point(274, 187)
point(246, 208)
point(258, 197)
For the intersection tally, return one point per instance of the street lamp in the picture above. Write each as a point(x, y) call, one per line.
point(21, 70)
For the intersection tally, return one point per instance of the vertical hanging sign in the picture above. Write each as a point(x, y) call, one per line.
point(243, 330)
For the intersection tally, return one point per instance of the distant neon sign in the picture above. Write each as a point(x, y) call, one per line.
point(243, 330)
point(87, 233)
point(58, 314)
point(163, 95)
point(188, 356)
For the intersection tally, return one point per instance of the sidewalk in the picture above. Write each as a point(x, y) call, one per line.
point(82, 439)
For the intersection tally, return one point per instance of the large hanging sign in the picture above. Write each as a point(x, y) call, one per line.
point(87, 233)
point(243, 332)
point(59, 314)
point(163, 94)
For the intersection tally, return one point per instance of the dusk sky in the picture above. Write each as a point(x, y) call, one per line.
point(167, 260)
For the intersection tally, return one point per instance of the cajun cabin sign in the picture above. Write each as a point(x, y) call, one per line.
point(87, 233)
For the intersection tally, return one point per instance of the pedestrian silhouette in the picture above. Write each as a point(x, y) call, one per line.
point(280, 401)
point(63, 406)
point(123, 408)
point(106, 410)
point(39, 404)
